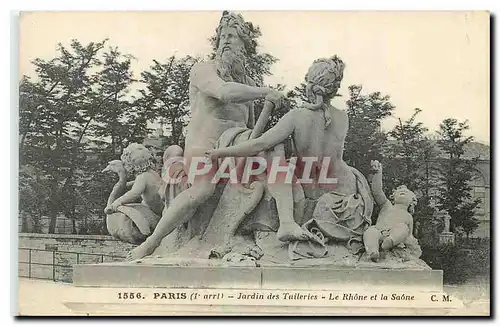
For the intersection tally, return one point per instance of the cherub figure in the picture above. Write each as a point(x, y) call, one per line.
point(138, 160)
point(395, 223)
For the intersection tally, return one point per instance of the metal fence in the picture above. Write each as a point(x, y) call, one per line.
point(54, 265)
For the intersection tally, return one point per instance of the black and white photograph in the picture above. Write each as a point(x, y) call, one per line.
point(229, 163)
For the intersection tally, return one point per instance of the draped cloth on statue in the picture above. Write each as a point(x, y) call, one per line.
point(337, 218)
point(233, 136)
point(237, 201)
point(264, 215)
point(215, 220)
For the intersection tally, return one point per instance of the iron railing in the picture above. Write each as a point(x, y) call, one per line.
point(54, 265)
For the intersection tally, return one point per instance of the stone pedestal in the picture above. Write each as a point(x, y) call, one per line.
point(447, 238)
point(234, 277)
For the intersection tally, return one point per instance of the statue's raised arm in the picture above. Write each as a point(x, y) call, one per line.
point(377, 189)
point(206, 80)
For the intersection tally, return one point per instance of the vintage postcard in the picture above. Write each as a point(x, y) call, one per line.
point(254, 163)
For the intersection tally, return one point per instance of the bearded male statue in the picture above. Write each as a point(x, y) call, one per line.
point(221, 98)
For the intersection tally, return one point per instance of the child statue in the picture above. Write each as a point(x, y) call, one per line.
point(138, 160)
point(394, 225)
point(126, 219)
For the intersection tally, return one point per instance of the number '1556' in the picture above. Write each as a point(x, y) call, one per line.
point(130, 295)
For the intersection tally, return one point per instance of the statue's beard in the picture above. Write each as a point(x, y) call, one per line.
point(231, 65)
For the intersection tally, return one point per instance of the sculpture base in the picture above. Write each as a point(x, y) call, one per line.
point(218, 290)
point(264, 277)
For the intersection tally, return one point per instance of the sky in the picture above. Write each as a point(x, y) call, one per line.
point(435, 61)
